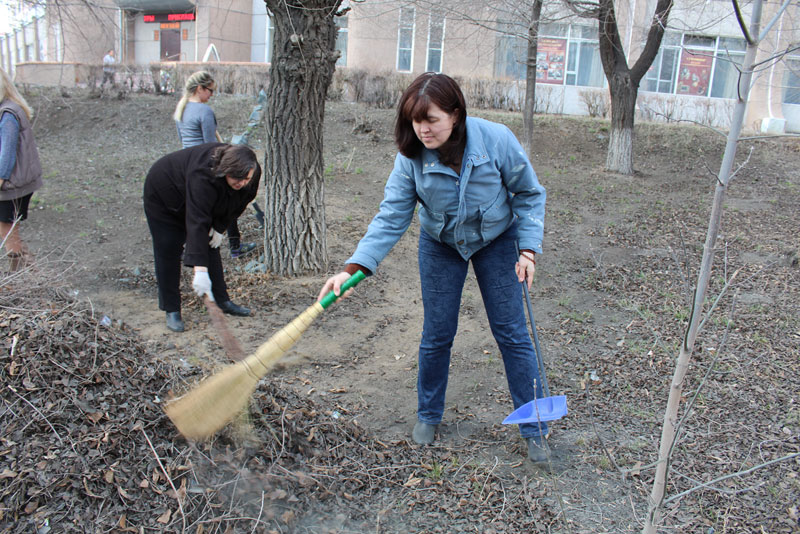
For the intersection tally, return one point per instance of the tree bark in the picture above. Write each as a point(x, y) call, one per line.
point(623, 108)
point(303, 63)
point(530, 75)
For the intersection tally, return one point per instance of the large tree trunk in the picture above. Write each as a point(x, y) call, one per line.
point(530, 75)
point(623, 107)
point(303, 62)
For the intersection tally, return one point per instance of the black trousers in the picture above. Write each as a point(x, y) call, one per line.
point(169, 236)
point(234, 236)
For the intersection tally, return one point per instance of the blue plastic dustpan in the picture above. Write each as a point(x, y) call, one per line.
point(546, 409)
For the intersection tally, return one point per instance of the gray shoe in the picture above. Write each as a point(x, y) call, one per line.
point(174, 321)
point(538, 449)
point(423, 433)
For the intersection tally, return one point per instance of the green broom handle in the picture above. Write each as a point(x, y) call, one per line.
point(331, 297)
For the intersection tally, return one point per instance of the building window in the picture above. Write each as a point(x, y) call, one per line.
point(584, 67)
point(511, 54)
point(268, 38)
point(59, 42)
point(341, 40)
point(791, 81)
point(565, 53)
point(697, 65)
point(435, 42)
point(405, 39)
point(728, 63)
point(661, 76)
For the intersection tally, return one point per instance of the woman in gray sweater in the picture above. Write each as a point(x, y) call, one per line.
point(197, 125)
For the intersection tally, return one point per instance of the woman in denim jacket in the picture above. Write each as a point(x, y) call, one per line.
point(479, 198)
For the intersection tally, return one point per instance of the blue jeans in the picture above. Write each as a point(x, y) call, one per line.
point(442, 275)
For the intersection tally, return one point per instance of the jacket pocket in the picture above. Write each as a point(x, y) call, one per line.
point(496, 216)
point(432, 222)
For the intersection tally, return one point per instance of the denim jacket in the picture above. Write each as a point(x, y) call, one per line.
point(497, 187)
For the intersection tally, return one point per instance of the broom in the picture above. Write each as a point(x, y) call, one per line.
point(226, 337)
point(219, 398)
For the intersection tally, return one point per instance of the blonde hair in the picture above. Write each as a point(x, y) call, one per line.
point(199, 79)
point(7, 90)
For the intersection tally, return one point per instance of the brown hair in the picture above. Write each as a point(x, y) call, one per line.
point(443, 91)
point(235, 161)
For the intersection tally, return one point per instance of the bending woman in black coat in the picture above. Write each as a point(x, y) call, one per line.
point(190, 197)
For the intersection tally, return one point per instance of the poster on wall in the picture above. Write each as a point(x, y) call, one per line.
point(694, 76)
point(551, 60)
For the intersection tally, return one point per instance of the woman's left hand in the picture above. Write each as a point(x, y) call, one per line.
point(525, 268)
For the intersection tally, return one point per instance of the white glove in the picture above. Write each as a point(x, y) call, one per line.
point(202, 284)
point(216, 238)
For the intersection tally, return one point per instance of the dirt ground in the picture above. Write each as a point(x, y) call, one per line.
point(610, 299)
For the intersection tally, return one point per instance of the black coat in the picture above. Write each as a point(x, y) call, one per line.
point(180, 189)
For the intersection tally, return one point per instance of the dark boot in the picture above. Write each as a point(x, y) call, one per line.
point(538, 449)
point(234, 309)
point(423, 433)
point(243, 249)
point(175, 322)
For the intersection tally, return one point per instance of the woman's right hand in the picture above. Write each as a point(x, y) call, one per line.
point(202, 282)
point(334, 283)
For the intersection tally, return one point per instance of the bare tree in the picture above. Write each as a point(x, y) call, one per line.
point(753, 36)
point(303, 62)
point(623, 81)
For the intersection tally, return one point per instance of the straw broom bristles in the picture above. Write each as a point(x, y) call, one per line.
point(220, 397)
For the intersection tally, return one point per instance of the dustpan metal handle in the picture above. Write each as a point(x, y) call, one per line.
point(539, 359)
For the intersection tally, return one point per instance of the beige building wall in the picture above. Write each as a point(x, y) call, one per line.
point(228, 25)
point(82, 33)
point(373, 42)
point(469, 51)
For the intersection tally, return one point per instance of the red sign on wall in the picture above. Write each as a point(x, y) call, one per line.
point(551, 60)
point(169, 17)
point(694, 75)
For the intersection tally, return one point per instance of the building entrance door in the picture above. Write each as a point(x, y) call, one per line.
point(170, 45)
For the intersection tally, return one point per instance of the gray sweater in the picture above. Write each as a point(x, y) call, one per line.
point(197, 126)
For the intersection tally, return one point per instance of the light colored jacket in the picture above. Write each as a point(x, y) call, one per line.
point(496, 187)
point(26, 176)
point(108, 63)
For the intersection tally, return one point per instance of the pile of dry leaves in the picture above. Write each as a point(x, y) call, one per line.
point(86, 447)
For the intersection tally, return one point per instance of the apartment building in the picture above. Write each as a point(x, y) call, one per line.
point(694, 76)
